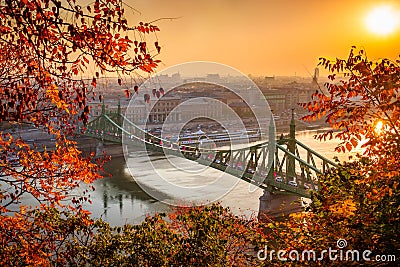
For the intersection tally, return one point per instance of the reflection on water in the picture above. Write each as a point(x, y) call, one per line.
point(120, 200)
point(325, 148)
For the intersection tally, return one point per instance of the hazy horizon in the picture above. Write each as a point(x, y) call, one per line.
point(264, 38)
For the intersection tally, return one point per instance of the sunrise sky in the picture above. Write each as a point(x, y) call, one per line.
point(281, 37)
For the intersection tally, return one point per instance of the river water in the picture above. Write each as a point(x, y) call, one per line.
point(120, 199)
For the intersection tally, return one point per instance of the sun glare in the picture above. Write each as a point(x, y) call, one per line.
point(378, 127)
point(383, 20)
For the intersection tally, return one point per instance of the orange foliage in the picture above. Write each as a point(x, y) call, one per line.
point(44, 46)
point(367, 93)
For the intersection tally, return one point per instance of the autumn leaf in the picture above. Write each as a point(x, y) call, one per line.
point(146, 98)
point(127, 93)
point(46, 48)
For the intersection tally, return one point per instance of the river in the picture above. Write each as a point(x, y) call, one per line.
point(120, 199)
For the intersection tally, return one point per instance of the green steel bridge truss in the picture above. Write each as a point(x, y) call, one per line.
point(288, 166)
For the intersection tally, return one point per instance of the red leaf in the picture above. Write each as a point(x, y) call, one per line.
point(146, 98)
point(348, 146)
point(354, 142)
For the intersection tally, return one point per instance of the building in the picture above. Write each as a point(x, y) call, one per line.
point(154, 112)
point(162, 108)
point(200, 107)
point(276, 100)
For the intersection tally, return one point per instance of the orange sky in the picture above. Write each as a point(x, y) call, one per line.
point(281, 37)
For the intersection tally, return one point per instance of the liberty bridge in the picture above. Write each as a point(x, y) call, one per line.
point(285, 166)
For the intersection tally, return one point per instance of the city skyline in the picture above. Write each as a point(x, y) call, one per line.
point(265, 38)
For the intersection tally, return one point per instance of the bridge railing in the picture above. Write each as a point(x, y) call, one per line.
point(313, 157)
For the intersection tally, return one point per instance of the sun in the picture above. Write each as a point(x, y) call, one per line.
point(379, 127)
point(383, 20)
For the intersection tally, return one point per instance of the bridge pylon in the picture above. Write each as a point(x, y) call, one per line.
point(271, 148)
point(291, 146)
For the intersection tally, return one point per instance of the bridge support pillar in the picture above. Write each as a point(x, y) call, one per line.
point(100, 149)
point(265, 205)
point(275, 205)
